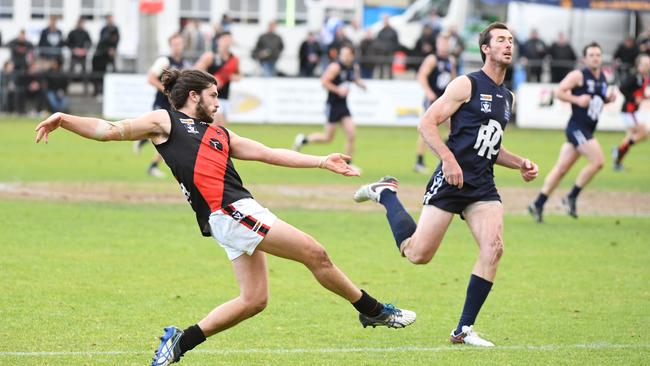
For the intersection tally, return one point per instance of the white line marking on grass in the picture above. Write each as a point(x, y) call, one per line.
point(549, 347)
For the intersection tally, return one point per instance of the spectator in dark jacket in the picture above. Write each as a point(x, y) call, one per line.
point(56, 90)
point(104, 56)
point(625, 56)
point(368, 55)
point(79, 42)
point(21, 52)
point(268, 49)
point(534, 51)
point(309, 55)
point(425, 45)
point(50, 45)
point(110, 35)
point(563, 58)
point(387, 43)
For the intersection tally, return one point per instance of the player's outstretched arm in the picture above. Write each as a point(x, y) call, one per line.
point(458, 92)
point(246, 149)
point(528, 169)
point(150, 125)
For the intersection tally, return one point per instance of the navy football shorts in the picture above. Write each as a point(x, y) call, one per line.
point(451, 199)
point(336, 112)
point(578, 135)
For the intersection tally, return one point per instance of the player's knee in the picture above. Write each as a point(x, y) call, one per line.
point(317, 257)
point(255, 304)
point(598, 164)
point(419, 259)
point(493, 252)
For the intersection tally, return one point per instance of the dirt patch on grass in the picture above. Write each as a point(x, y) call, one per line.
point(323, 197)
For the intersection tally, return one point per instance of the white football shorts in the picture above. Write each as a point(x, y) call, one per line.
point(241, 226)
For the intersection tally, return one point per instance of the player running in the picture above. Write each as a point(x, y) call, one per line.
point(336, 80)
point(635, 89)
point(176, 61)
point(479, 106)
point(433, 75)
point(586, 90)
point(199, 154)
point(224, 66)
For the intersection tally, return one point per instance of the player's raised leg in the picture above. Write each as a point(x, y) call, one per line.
point(485, 220)
point(284, 240)
point(418, 243)
point(317, 137)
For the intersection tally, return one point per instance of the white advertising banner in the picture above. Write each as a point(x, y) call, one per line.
point(281, 100)
point(127, 96)
point(537, 107)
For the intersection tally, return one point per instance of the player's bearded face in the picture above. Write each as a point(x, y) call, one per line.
point(204, 111)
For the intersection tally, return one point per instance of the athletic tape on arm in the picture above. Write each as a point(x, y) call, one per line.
point(107, 130)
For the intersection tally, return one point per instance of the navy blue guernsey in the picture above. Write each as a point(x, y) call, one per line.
point(161, 101)
point(345, 75)
point(588, 117)
point(440, 76)
point(477, 129)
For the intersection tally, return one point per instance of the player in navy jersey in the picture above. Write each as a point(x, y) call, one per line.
point(434, 75)
point(176, 61)
point(586, 90)
point(479, 106)
point(199, 154)
point(336, 80)
point(635, 89)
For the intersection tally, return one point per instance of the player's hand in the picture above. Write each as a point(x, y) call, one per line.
point(529, 170)
point(583, 100)
point(342, 91)
point(45, 127)
point(452, 172)
point(338, 163)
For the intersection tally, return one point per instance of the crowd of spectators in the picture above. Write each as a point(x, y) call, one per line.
point(34, 80)
point(36, 76)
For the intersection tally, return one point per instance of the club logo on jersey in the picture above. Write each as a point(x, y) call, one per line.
point(591, 86)
point(188, 123)
point(488, 138)
point(216, 144)
point(486, 103)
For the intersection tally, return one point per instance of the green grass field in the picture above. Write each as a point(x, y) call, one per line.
point(86, 283)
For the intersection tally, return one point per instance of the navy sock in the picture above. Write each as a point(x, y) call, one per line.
point(420, 159)
point(154, 164)
point(192, 337)
point(401, 223)
point(541, 200)
point(305, 140)
point(575, 192)
point(478, 290)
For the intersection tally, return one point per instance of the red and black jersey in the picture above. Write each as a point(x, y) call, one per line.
point(222, 70)
point(633, 88)
point(198, 155)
